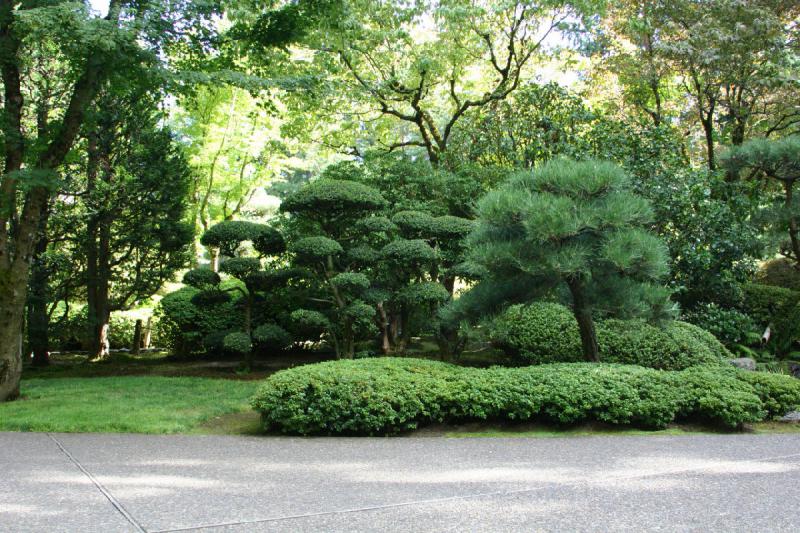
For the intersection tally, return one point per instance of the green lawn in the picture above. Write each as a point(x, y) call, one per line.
point(137, 404)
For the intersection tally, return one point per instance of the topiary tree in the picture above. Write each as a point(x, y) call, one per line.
point(231, 238)
point(574, 230)
point(336, 231)
point(779, 162)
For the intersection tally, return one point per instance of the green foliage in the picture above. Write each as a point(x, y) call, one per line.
point(228, 235)
point(237, 342)
point(409, 254)
point(201, 278)
point(350, 282)
point(330, 198)
point(384, 395)
point(545, 332)
point(183, 326)
point(313, 249)
point(569, 225)
point(309, 322)
point(425, 293)
point(730, 326)
point(779, 273)
point(775, 307)
point(240, 267)
point(272, 336)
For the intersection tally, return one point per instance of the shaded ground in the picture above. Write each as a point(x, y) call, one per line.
point(215, 484)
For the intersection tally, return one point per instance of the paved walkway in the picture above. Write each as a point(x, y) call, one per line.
point(109, 483)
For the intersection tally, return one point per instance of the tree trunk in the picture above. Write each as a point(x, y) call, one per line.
point(137, 338)
point(99, 245)
point(708, 130)
point(583, 315)
point(38, 317)
point(12, 299)
point(788, 187)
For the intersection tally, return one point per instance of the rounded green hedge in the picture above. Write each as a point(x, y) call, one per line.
point(545, 332)
point(387, 395)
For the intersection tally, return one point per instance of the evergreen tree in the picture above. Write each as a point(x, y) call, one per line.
point(571, 230)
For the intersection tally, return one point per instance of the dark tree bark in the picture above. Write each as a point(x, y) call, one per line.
point(18, 228)
point(38, 316)
point(583, 315)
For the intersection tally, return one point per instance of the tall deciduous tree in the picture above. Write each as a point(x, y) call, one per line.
point(410, 71)
point(130, 39)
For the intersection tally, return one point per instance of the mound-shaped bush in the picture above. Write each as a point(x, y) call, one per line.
point(547, 333)
point(387, 395)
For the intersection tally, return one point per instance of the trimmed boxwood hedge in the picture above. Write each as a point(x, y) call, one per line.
point(387, 395)
point(545, 332)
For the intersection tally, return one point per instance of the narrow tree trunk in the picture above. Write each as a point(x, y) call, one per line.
point(137, 338)
point(583, 315)
point(788, 187)
point(38, 317)
point(708, 130)
point(386, 345)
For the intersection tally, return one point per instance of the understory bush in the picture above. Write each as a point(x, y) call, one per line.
point(778, 308)
point(545, 332)
point(72, 332)
point(730, 326)
point(387, 395)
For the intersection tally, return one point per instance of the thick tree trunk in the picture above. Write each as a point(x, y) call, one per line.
point(583, 315)
point(12, 300)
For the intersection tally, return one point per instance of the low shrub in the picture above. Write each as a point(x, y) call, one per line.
point(387, 395)
point(547, 332)
point(776, 307)
point(730, 326)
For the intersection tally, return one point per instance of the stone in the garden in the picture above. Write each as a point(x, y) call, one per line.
point(745, 363)
point(794, 416)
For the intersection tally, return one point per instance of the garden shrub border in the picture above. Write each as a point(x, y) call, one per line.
point(381, 396)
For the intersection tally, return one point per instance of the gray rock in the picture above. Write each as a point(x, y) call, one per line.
point(794, 416)
point(794, 369)
point(745, 363)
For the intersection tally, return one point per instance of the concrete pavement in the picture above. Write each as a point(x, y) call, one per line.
point(109, 482)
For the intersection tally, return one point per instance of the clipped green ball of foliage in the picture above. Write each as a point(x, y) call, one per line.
point(375, 225)
point(237, 342)
point(309, 321)
point(329, 196)
point(414, 224)
point(240, 267)
point(409, 253)
point(451, 227)
point(350, 282)
point(181, 325)
point(210, 298)
point(779, 273)
point(202, 278)
point(425, 293)
point(272, 336)
point(228, 235)
point(545, 332)
point(730, 326)
point(378, 396)
point(312, 249)
point(269, 280)
point(363, 255)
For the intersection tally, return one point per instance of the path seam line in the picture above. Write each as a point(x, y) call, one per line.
point(110, 497)
point(439, 500)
